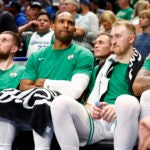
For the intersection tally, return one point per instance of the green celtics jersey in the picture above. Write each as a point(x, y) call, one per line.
point(59, 64)
point(117, 84)
point(125, 13)
point(11, 78)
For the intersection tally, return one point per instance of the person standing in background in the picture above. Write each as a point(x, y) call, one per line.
point(125, 11)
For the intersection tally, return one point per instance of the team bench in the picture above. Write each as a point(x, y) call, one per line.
point(24, 141)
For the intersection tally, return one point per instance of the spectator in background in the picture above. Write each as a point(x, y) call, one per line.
point(106, 20)
point(138, 7)
point(113, 5)
point(24, 5)
point(51, 11)
point(93, 22)
point(45, 3)
point(6, 5)
point(142, 42)
point(33, 10)
point(61, 7)
point(15, 9)
point(7, 21)
point(125, 11)
point(98, 6)
point(133, 2)
point(42, 37)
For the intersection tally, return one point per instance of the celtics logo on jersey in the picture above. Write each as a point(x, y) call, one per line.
point(13, 74)
point(70, 57)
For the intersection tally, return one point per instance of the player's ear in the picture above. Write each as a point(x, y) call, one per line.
point(14, 49)
point(132, 38)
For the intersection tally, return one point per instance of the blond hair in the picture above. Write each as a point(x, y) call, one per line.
point(108, 16)
point(139, 6)
point(127, 24)
point(145, 13)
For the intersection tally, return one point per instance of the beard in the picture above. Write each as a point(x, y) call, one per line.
point(64, 38)
point(4, 56)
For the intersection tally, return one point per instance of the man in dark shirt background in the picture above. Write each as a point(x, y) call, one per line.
point(7, 21)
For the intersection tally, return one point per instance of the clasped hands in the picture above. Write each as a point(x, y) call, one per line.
point(40, 82)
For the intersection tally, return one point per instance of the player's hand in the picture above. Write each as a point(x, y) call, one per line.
point(108, 113)
point(94, 111)
point(40, 82)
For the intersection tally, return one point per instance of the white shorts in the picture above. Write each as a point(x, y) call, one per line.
point(103, 130)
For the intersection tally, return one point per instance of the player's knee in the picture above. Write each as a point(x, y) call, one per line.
point(145, 97)
point(127, 104)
